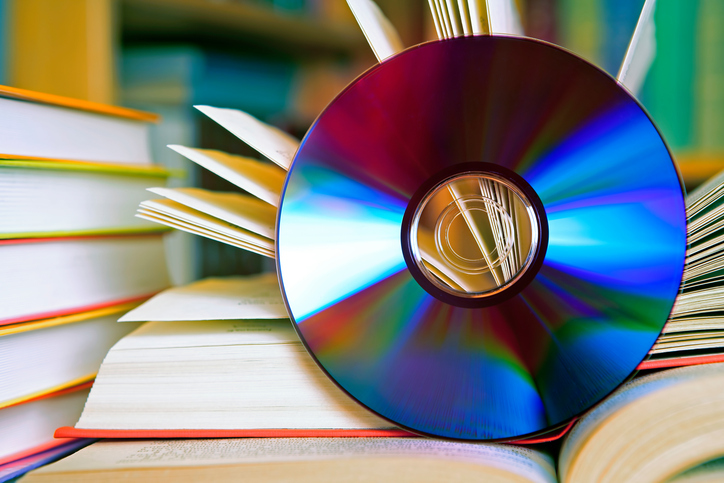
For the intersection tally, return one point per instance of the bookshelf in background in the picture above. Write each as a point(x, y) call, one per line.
point(684, 91)
point(320, 39)
point(282, 62)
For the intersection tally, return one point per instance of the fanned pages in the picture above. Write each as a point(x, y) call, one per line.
point(641, 51)
point(650, 429)
point(436, 20)
point(442, 15)
point(464, 17)
point(381, 35)
point(273, 143)
point(445, 18)
point(696, 322)
point(196, 230)
point(263, 180)
point(178, 216)
point(455, 18)
point(452, 13)
point(479, 16)
point(243, 211)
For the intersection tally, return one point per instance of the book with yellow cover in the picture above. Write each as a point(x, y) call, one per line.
point(49, 355)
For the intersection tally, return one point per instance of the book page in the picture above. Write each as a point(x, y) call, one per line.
point(479, 16)
point(218, 375)
point(243, 211)
point(454, 17)
point(504, 18)
point(533, 465)
point(270, 141)
point(584, 432)
point(381, 35)
point(263, 180)
point(464, 16)
point(194, 229)
point(203, 333)
point(436, 19)
point(641, 50)
point(183, 213)
point(254, 297)
point(704, 191)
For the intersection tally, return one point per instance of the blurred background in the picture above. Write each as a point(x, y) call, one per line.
point(284, 60)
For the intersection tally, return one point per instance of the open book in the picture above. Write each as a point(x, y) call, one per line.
point(220, 359)
point(301, 460)
point(650, 430)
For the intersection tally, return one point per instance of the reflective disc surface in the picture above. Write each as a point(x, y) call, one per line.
point(578, 311)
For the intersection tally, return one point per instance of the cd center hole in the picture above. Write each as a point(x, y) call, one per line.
point(474, 234)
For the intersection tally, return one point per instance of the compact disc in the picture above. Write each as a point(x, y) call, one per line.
point(481, 237)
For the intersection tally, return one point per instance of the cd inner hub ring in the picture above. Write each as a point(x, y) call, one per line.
point(474, 235)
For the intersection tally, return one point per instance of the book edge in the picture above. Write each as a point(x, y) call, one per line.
point(57, 164)
point(78, 104)
point(72, 310)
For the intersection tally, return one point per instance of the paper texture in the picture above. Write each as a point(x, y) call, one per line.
point(641, 51)
point(263, 180)
point(210, 233)
point(177, 215)
point(243, 211)
point(504, 18)
point(273, 143)
point(381, 35)
point(527, 463)
point(479, 18)
point(256, 297)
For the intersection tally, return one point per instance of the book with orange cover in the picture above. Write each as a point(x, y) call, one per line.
point(38, 125)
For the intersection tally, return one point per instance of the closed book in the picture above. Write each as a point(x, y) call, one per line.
point(43, 198)
point(49, 126)
point(45, 356)
point(27, 429)
point(47, 277)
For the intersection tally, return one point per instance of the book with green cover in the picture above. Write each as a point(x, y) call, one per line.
point(44, 198)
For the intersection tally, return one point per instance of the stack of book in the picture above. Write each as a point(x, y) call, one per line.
point(73, 259)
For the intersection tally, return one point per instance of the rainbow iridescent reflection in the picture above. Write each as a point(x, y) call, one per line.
point(614, 260)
